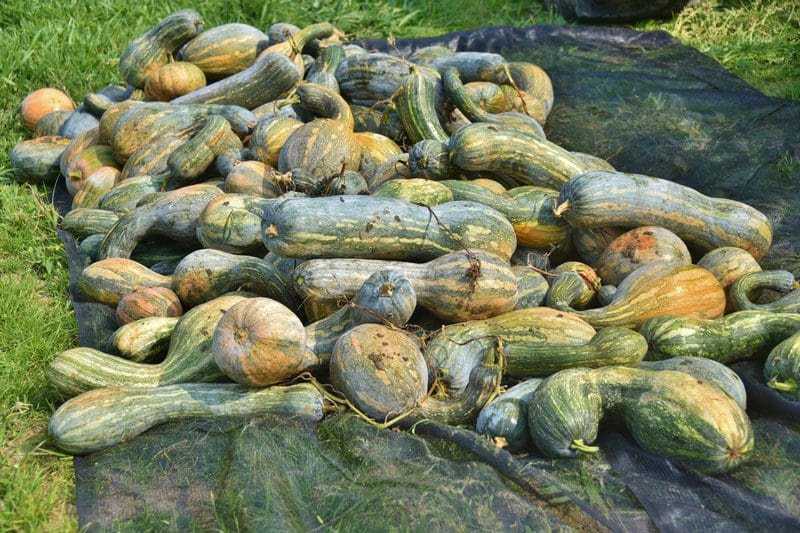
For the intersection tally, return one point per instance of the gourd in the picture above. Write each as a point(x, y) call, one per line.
point(253, 178)
point(41, 102)
point(149, 302)
point(50, 123)
point(656, 289)
point(153, 158)
point(457, 349)
point(108, 281)
point(173, 80)
point(580, 299)
point(323, 102)
point(415, 190)
point(322, 147)
point(95, 186)
point(145, 340)
point(84, 221)
point(728, 264)
point(260, 342)
point(376, 149)
point(506, 416)
point(78, 144)
point(599, 198)
point(416, 106)
point(430, 159)
point(781, 281)
point(232, 223)
point(293, 47)
point(88, 161)
point(507, 151)
point(488, 96)
point(266, 79)
point(99, 102)
point(194, 156)
point(782, 368)
point(173, 214)
point(668, 413)
point(269, 137)
point(37, 160)
point(110, 118)
point(223, 50)
point(189, 358)
point(99, 419)
point(371, 77)
point(151, 50)
point(707, 370)
point(639, 247)
point(205, 274)
point(734, 337)
point(528, 89)
point(532, 287)
point(380, 120)
point(126, 194)
point(478, 284)
point(471, 66)
point(382, 228)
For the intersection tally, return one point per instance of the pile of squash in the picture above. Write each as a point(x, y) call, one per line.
point(288, 223)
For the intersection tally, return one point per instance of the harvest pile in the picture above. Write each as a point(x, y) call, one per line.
point(332, 228)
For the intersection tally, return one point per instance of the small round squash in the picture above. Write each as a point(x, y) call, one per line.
point(37, 160)
point(95, 186)
point(590, 279)
point(149, 302)
point(174, 80)
point(380, 370)
point(87, 162)
point(260, 342)
point(639, 247)
point(41, 102)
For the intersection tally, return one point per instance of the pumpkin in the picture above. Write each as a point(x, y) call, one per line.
point(173, 80)
point(638, 247)
point(41, 102)
point(148, 302)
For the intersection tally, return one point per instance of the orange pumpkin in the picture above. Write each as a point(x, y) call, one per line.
point(41, 102)
point(174, 80)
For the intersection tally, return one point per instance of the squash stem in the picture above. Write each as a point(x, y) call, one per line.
point(579, 445)
point(563, 208)
point(783, 386)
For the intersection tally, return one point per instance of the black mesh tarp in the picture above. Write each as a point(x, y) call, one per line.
point(648, 104)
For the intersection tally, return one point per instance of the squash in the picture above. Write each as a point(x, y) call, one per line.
point(668, 413)
point(653, 290)
point(707, 370)
point(41, 102)
point(457, 349)
point(322, 147)
point(600, 198)
point(505, 150)
point(95, 186)
point(371, 77)
point(228, 159)
point(153, 158)
point(416, 106)
point(728, 264)
point(87, 162)
point(151, 50)
point(348, 182)
point(99, 102)
point(189, 358)
point(782, 368)
point(194, 156)
point(84, 221)
point(109, 119)
point(148, 302)
point(394, 168)
point(145, 340)
point(638, 247)
point(528, 89)
point(231, 223)
point(51, 123)
point(382, 228)
point(173, 80)
point(99, 419)
point(734, 337)
point(108, 281)
point(488, 96)
point(37, 160)
point(292, 47)
point(269, 137)
point(386, 297)
point(266, 79)
point(590, 279)
point(223, 50)
point(380, 370)
point(381, 120)
point(323, 102)
point(204, 275)
point(376, 149)
point(478, 284)
point(173, 214)
point(417, 191)
point(506, 416)
point(322, 71)
point(532, 287)
point(471, 66)
point(781, 281)
point(126, 194)
point(259, 342)
point(430, 159)
point(79, 121)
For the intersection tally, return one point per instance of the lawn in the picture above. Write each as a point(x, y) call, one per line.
point(75, 45)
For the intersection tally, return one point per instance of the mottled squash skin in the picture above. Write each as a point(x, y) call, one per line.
point(744, 289)
point(148, 302)
point(223, 50)
point(782, 368)
point(323, 147)
point(259, 342)
point(37, 160)
point(380, 370)
point(728, 264)
point(173, 80)
point(639, 247)
point(108, 281)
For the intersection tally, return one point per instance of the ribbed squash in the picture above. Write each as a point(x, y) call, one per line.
point(371, 77)
point(323, 147)
point(193, 157)
point(488, 96)
point(148, 302)
point(528, 90)
point(95, 186)
point(728, 264)
point(415, 190)
point(37, 160)
point(87, 162)
point(653, 290)
point(532, 287)
point(173, 80)
point(109, 280)
point(782, 368)
point(506, 416)
point(84, 221)
point(223, 50)
point(416, 106)
point(145, 340)
point(126, 194)
point(781, 281)
point(231, 223)
point(586, 295)
point(269, 137)
point(707, 370)
point(41, 102)
point(394, 168)
point(638, 247)
point(376, 149)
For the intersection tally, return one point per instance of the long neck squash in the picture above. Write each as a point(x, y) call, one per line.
point(507, 415)
point(782, 368)
point(781, 281)
point(232, 223)
point(656, 289)
point(464, 285)
point(734, 337)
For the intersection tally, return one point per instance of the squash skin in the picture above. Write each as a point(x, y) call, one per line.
point(148, 302)
point(145, 340)
point(85, 163)
point(265, 80)
point(532, 287)
point(173, 80)
point(417, 191)
point(37, 160)
point(78, 144)
point(416, 106)
point(591, 283)
point(381, 121)
point(488, 96)
point(707, 370)
point(84, 221)
point(260, 342)
point(380, 370)
point(194, 156)
point(430, 159)
point(503, 149)
point(102, 418)
point(464, 295)
point(394, 168)
point(371, 77)
point(638, 247)
point(189, 358)
point(269, 137)
point(126, 194)
point(376, 149)
point(153, 158)
point(507, 415)
point(734, 337)
point(728, 264)
point(37, 104)
point(600, 198)
point(537, 98)
point(457, 349)
point(324, 102)
point(108, 281)
point(174, 214)
point(778, 280)
point(148, 52)
point(223, 50)
point(782, 368)
point(110, 117)
point(322, 147)
point(653, 290)
point(49, 124)
point(232, 223)
point(95, 186)
point(382, 228)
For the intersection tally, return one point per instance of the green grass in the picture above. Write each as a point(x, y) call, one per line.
point(75, 45)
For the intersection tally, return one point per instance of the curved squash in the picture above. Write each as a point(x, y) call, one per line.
point(145, 340)
point(37, 160)
point(223, 50)
point(782, 368)
point(638, 247)
point(781, 281)
point(707, 370)
point(149, 302)
point(108, 281)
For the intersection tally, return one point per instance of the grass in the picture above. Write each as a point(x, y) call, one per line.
point(75, 45)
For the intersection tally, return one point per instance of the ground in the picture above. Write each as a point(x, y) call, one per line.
point(75, 46)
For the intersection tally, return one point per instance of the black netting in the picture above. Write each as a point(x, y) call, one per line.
point(650, 105)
